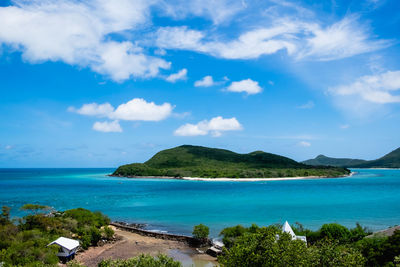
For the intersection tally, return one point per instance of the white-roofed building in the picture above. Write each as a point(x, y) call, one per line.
point(68, 247)
point(288, 229)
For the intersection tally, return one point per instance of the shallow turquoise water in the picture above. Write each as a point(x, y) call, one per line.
point(371, 197)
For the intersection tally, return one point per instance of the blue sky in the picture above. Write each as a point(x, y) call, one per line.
point(101, 83)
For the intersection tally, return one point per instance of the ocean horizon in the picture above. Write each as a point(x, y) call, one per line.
point(369, 197)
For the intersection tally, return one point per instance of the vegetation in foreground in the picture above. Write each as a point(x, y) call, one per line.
point(197, 161)
point(331, 245)
point(24, 242)
point(142, 261)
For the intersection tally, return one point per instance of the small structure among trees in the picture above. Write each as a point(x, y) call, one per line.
point(68, 248)
point(287, 229)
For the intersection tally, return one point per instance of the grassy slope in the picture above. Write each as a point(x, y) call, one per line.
point(196, 161)
point(337, 162)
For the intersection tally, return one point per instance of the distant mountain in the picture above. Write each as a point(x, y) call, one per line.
point(337, 162)
point(197, 161)
point(390, 160)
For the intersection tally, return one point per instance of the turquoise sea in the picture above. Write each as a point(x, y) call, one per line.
point(370, 197)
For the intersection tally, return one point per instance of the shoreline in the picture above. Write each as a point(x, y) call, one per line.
point(226, 179)
point(129, 244)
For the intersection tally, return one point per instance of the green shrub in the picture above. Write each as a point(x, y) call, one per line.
point(108, 232)
point(264, 249)
point(142, 261)
point(201, 231)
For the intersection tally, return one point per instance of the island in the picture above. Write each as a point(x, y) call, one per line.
point(390, 160)
point(205, 162)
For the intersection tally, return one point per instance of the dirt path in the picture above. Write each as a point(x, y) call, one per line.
point(132, 245)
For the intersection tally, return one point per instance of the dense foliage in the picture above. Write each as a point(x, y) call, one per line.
point(197, 161)
point(331, 245)
point(142, 261)
point(25, 242)
point(201, 231)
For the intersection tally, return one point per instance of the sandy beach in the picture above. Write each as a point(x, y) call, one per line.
point(130, 245)
point(224, 179)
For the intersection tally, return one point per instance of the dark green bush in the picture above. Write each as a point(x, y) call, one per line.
point(201, 231)
point(142, 261)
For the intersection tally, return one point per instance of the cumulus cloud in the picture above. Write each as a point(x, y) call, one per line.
point(180, 75)
point(136, 109)
point(93, 109)
point(139, 109)
point(378, 89)
point(304, 144)
point(248, 86)
point(300, 39)
point(216, 126)
point(107, 126)
point(75, 32)
point(207, 81)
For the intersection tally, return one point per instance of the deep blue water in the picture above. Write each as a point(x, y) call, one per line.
point(370, 197)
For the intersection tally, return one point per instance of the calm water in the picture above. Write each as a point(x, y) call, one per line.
point(371, 197)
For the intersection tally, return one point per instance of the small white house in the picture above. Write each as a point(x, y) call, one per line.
point(287, 229)
point(68, 247)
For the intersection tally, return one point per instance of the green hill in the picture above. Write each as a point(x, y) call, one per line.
point(197, 161)
point(390, 160)
point(337, 162)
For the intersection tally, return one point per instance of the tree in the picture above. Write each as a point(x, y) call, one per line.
point(201, 232)
point(331, 253)
point(35, 208)
point(5, 215)
point(335, 231)
point(263, 248)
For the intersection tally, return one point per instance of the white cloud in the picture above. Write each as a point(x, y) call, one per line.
point(344, 126)
point(136, 109)
point(309, 105)
point(304, 144)
point(249, 45)
point(377, 89)
point(94, 109)
point(249, 86)
point(139, 109)
point(8, 147)
point(218, 11)
point(107, 127)
point(180, 75)
point(207, 81)
point(300, 39)
point(76, 32)
point(342, 39)
point(216, 126)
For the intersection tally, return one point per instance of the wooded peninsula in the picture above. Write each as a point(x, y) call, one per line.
point(204, 162)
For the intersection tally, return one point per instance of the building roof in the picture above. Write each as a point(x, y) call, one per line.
point(287, 229)
point(66, 243)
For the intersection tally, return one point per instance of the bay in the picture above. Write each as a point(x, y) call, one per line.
point(370, 197)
